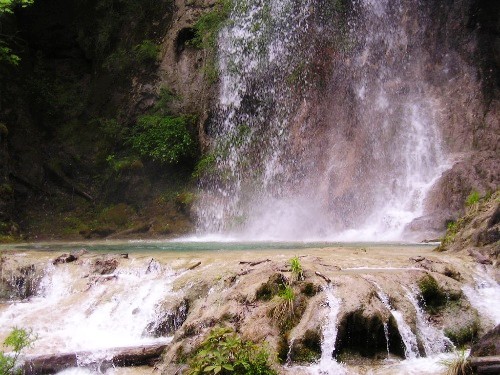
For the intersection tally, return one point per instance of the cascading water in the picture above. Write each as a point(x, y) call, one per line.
point(325, 126)
point(327, 364)
point(433, 340)
point(484, 295)
point(408, 337)
point(91, 316)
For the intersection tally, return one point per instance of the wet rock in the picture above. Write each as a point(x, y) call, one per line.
point(20, 283)
point(267, 290)
point(488, 345)
point(306, 349)
point(170, 321)
point(105, 266)
point(478, 257)
point(64, 258)
point(363, 334)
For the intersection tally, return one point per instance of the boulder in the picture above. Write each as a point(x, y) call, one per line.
point(488, 345)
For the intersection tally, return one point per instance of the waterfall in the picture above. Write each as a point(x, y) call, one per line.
point(325, 126)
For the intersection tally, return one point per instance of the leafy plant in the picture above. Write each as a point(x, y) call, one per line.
point(6, 53)
point(146, 52)
point(458, 365)
point(283, 310)
point(472, 198)
point(224, 352)
point(165, 139)
point(451, 232)
point(206, 31)
point(17, 340)
point(296, 268)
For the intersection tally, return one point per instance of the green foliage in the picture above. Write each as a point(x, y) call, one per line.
point(224, 352)
point(17, 340)
point(451, 232)
point(146, 52)
point(206, 31)
point(128, 163)
point(283, 310)
point(6, 53)
point(166, 139)
point(206, 165)
point(434, 298)
point(123, 61)
point(296, 268)
point(472, 198)
point(458, 365)
point(463, 335)
point(209, 24)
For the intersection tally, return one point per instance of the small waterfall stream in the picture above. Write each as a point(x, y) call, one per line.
point(408, 337)
point(433, 340)
point(484, 295)
point(327, 365)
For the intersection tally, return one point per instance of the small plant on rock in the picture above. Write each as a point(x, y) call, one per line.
point(17, 340)
point(472, 198)
point(458, 365)
point(296, 267)
point(283, 310)
point(224, 352)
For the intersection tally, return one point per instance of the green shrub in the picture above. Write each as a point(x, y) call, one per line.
point(224, 352)
point(146, 52)
point(17, 340)
point(296, 267)
point(165, 139)
point(472, 198)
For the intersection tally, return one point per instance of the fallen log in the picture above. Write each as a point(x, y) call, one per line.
point(485, 365)
point(117, 357)
point(194, 266)
point(252, 264)
point(327, 279)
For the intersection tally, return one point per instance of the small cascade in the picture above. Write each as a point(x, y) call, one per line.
point(327, 365)
point(74, 314)
point(433, 340)
point(408, 337)
point(484, 296)
point(386, 333)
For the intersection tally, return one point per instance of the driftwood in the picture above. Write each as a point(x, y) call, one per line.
point(255, 263)
point(485, 365)
point(328, 280)
point(194, 266)
point(117, 357)
point(143, 228)
point(60, 179)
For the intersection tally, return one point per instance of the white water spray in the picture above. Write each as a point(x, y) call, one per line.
point(70, 315)
point(484, 295)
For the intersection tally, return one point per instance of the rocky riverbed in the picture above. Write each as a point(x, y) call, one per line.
point(385, 303)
